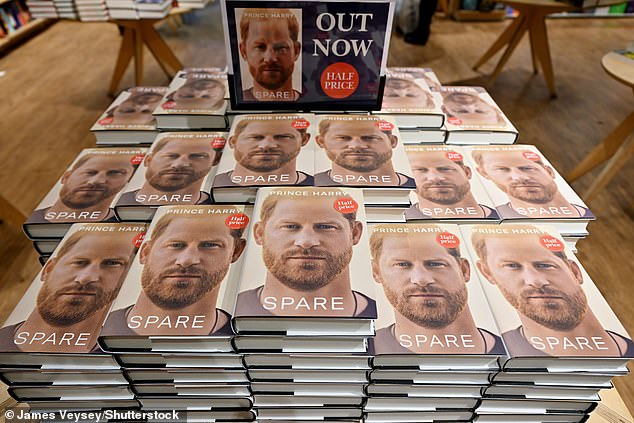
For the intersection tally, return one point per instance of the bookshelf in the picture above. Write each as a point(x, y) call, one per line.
point(24, 31)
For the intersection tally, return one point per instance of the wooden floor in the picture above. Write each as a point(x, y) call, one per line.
point(55, 88)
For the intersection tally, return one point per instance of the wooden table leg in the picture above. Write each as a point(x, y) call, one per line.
point(159, 48)
point(538, 31)
point(502, 40)
point(611, 169)
point(126, 51)
point(531, 36)
point(10, 214)
point(606, 149)
point(517, 36)
point(138, 57)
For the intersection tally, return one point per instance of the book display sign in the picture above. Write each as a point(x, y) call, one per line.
point(307, 55)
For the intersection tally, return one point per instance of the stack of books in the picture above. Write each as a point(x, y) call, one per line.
point(66, 9)
point(306, 304)
point(128, 120)
point(42, 8)
point(178, 169)
point(412, 97)
point(196, 99)
point(193, 4)
point(84, 193)
point(153, 9)
point(122, 9)
point(437, 343)
point(564, 341)
point(525, 187)
point(91, 10)
point(174, 311)
point(48, 346)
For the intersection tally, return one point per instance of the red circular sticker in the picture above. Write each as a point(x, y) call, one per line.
point(137, 159)
point(218, 142)
point(448, 240)
point(454, 121)
point(339, 80)
point(169, 105)
point(346, 205)
point(454, 156)
point(300, 124)
point(106, 121)
point(237, 221)
point(384, 125)
point(529, 155)
point(552, 243)
point(138, 240)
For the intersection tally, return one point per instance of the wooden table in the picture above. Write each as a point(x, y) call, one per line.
point(531, 18)
point(136, 34)
point(617, 148)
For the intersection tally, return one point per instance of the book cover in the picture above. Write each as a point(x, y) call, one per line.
point(544, 302)
point(182, 282)
point(268, 150)
point(307, 256)
point(315, 55)
point(363, 151)
point(86, 190)
point(219, 73)
point(446, 187)
point(472, 108)
point(523, 184)
point(194, 93)
point(426, 74)
point(131, 110)
point(408, 94)
point(429, 300)
point(63, 309)
point(177, 170)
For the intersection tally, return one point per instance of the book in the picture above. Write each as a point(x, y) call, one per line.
point(65, 377)
point(446, 187)
point(551, 314)
point(195, 100)
point(306, 268)
point(423, 135)
point(525, 186)
point(430, 306)
point(426, 74)
point(62, 311)
point(178, 169)
point(365, 152)
point(308, 56)
point(129, 120)
point(411, 102)
point(85, 191)
point(265, 150)
point(180, 292)
point(473, 117)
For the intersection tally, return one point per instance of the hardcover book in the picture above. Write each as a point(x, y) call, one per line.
point(306, 269)
point(365, 152)
point(180, 292)
point(177, 170)
point(195, 100)
point(411, 102)
point(446, 187)
point(549, 311)
point(62, 311)
point(423, 135)
point(523, 185)
point(307, 55)
point(265, 150)
point(429, 301)
point(129, 119)
point(473, 117)
point(85, 191)
point(426, 74)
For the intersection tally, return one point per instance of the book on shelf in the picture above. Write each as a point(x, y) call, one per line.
point(306, 270)
point(178, 169)
point(364, 152)
point(129, 120)
point(85, 191)
point(552, 316)
point(525, 186)
point(195, 100)
point(473, 117)
point(56, 323)
point(447, 188)
point(180, 292)
point(265, 150)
